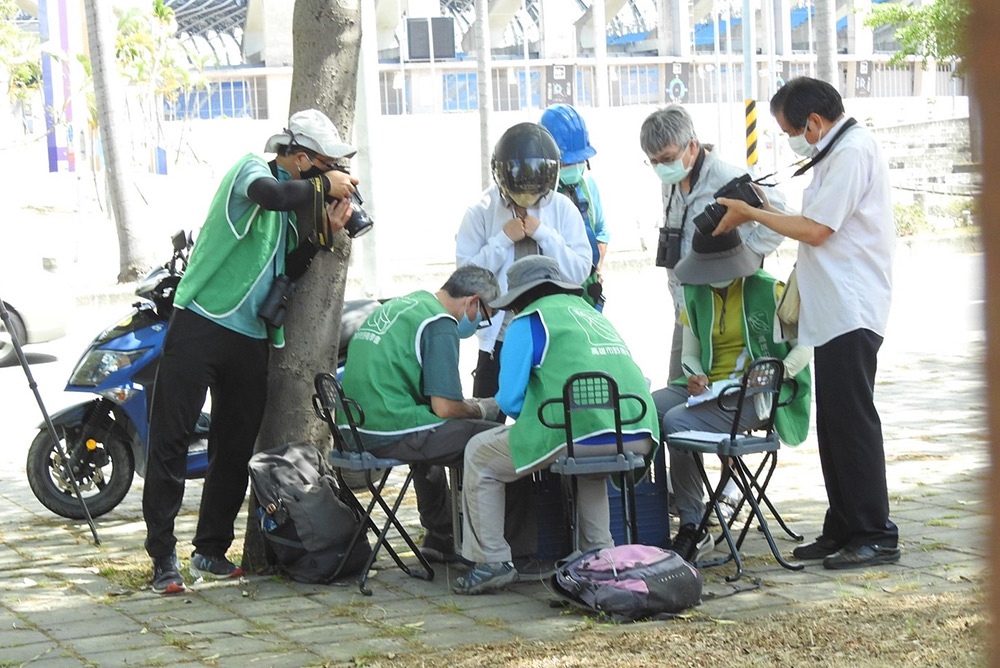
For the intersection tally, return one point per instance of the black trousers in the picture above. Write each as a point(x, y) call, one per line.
point(521, 529)
point(199, 355)
point(850, 441)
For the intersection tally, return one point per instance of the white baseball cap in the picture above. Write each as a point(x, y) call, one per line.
point(311, 129)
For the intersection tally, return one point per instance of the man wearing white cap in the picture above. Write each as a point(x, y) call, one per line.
point(262, 214)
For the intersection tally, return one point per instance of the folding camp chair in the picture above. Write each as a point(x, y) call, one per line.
point(595, 391)
point(349, 455)
point(758, 390)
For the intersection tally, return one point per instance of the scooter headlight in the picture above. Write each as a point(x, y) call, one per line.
point(99, 364)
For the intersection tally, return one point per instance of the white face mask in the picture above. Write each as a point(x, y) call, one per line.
point(800, 146)
point(723, 284)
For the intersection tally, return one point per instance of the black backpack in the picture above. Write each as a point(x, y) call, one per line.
point(306, 525)
point(630, 582)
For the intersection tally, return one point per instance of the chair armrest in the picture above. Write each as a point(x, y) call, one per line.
point(541, 414)
point(642, 406)
point(359, 419)
point(795, 391)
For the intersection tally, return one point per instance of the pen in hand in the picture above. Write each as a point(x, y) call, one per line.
point(695, 386)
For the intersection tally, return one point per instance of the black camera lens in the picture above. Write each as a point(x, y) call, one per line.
point(360, 222)
point(708, 220)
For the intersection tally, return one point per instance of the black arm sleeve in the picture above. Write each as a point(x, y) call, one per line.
point(296, 196)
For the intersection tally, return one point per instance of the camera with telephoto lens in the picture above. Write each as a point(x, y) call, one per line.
point(275, 306)
point(740, 188)
point(359, 222)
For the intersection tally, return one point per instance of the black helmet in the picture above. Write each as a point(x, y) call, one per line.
point(526, 161)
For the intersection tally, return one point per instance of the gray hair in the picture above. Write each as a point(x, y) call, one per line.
point(666, 126)
point(470, 280)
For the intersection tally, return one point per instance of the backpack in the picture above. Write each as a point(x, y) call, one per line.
point(305, 523)
point(629, 582)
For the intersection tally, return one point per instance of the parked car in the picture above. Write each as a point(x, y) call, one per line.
point(37, 304)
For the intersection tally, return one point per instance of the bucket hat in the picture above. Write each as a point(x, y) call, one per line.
point(717, 259)
point(530, 272)
point(311, 129)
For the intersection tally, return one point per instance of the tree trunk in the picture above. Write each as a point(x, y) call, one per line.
point(326, 37)
point(826, 42)
point(110, 98)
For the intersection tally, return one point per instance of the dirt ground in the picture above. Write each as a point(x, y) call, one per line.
point(943, 630)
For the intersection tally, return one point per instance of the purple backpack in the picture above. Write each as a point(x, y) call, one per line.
point(630, 582)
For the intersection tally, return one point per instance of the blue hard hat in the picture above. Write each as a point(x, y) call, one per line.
point(570, 133)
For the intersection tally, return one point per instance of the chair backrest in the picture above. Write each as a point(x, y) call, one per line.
point(591, 391)
point(327, 402)
point(758, 390)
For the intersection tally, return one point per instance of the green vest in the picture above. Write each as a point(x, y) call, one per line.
point(578, 338)
point(759, 303)
point(384, 372)
point(231, 256)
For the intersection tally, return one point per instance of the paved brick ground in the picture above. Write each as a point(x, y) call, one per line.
point(57, 609)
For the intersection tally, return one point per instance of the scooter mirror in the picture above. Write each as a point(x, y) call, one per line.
point(179, 240)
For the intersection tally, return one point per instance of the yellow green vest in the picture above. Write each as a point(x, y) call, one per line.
point(579, 338)
point(384, 372)
point(760, 300)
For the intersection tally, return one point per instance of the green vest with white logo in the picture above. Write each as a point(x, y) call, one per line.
point(760, 300)
point(579, 339)
point(384, 369)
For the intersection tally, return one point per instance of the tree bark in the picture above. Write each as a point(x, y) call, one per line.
point(826, 42)
point(326, 38)
point(110, 98)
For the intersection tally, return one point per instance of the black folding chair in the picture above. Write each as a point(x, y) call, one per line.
point(758, 390)
point(595, 391)
point(349, 455)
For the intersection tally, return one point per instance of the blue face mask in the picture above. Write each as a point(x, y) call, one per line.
point(466, 327)
point(671, 173)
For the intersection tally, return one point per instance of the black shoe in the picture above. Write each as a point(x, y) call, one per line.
point(441, 550)
point(167, 575)
point(690, 545)
point(820, 548)
point(860, 556)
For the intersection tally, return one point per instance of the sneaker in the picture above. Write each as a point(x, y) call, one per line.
point(212, 567)
point(167, 575)
point(690, 546)
point(532, 568)
point(441, 550)
point(486, 577)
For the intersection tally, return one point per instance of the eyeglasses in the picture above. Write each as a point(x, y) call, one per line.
point(324, 165)
point(487, 320)
point(663, 160)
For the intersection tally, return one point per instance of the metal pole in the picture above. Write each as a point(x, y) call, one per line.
point(67, 471)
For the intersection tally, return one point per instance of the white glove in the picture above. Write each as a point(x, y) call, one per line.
point(488, 408)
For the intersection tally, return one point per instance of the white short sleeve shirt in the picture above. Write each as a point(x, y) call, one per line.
point(846, 283)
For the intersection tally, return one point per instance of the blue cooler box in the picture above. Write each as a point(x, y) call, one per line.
point(651, 504)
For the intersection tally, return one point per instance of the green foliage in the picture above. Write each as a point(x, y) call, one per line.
point(910, 219)
point(937, 30)
point(20, 54)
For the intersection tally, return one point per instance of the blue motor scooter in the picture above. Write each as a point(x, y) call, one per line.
point(106, 437)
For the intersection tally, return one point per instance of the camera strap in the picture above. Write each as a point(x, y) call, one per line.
point(813, 161)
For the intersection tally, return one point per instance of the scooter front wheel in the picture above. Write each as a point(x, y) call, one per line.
point(103, 471)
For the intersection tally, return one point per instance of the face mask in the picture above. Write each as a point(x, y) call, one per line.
point(524, 200)
point(800, 146)
point(571, 174)
point(466, 327)
point(311, 172)
point(722, 284)
point(671, 173)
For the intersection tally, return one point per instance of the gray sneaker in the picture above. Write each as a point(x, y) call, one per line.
point(167, 575)
point(486, 577)
point(212, 567)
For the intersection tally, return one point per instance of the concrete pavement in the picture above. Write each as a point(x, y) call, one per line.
point(58, 607)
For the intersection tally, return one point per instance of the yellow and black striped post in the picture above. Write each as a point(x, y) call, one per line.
point(751, 107)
